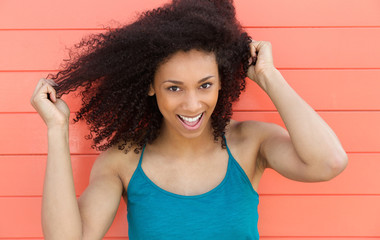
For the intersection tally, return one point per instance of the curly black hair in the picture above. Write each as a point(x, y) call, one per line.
point(113, 70)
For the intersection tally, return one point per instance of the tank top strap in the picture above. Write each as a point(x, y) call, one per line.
point(141, 156)
point(228, 150)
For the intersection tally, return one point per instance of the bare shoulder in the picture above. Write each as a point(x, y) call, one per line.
point(244, 140)
point(117, 163)
point(248, 132)
point(109, 177)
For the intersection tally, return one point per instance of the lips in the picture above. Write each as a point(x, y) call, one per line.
point(191, 123)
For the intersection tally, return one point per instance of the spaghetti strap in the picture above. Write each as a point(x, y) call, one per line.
point(228, 150)
point(141, 157)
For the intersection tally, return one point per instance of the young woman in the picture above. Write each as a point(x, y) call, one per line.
point(157, 94)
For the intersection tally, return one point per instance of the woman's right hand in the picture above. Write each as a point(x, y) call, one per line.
point(53, 111)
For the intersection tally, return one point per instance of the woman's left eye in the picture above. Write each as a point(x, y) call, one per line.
point(206, 85)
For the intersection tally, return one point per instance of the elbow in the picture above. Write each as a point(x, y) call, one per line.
point(335, 165)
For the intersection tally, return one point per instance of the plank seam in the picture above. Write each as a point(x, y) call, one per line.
point(261, 195)
point(246, 26)
point(95, 154)
point(279, 68)
point(286, 69)
point(253, 111)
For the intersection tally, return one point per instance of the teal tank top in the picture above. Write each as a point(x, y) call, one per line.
point(229, 211)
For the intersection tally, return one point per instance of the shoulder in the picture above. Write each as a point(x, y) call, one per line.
point(252, 131)
point(115, 163)
point(247, 137)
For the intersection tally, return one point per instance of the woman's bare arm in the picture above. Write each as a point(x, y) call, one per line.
point(309, 150)
point(62, 216)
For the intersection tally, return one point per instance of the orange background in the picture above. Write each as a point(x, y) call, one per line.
point(328, 50)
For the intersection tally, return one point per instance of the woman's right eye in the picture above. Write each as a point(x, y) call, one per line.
point(174, 88)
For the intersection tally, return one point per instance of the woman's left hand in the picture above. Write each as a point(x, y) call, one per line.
point(262, 52)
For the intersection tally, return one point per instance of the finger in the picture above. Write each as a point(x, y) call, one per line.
point(264, 50)
point(253, 58)
point(259, 45)
point(38, 86)
point(252, 61)
point(52, 82)
point(47, 92)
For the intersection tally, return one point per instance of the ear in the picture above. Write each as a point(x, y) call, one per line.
point(151, 91)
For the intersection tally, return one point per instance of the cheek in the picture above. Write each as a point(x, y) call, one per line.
point(215, 96)
point(164, 103)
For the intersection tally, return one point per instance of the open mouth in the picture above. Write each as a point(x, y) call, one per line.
point(191, 123)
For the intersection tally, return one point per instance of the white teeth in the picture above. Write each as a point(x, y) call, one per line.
point(191, 119)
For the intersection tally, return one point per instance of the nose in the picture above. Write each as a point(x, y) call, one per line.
point(192, 102)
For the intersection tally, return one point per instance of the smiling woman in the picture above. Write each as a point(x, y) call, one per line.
point(163, 86)
point(188, 102)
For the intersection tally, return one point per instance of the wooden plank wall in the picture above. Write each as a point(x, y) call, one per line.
point(328, 50)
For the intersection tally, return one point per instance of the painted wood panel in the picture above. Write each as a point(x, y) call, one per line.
point(26, 173)
point(270, 13)
point(327, 49)
point(289, 216)
point(320, 216)
point(322, 89)
point(292, 47)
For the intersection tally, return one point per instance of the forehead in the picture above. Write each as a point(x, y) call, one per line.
point(193, 64)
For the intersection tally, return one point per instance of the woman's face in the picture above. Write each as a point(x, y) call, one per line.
point(186, 88)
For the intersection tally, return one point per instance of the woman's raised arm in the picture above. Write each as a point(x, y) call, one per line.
point(309, 150)
point(62, 217)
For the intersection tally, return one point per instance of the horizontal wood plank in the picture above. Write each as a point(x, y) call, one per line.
point(359, 177)
point(322, 89)
point(26, 133)
point(292, 47)
point(319, 216)
point(26, 173)
point(272, 13)
point(322, 48)
point(307, 216)
point(45, 14)
point(300, 13)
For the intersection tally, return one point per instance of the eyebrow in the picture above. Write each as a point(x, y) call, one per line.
point(179, 82)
